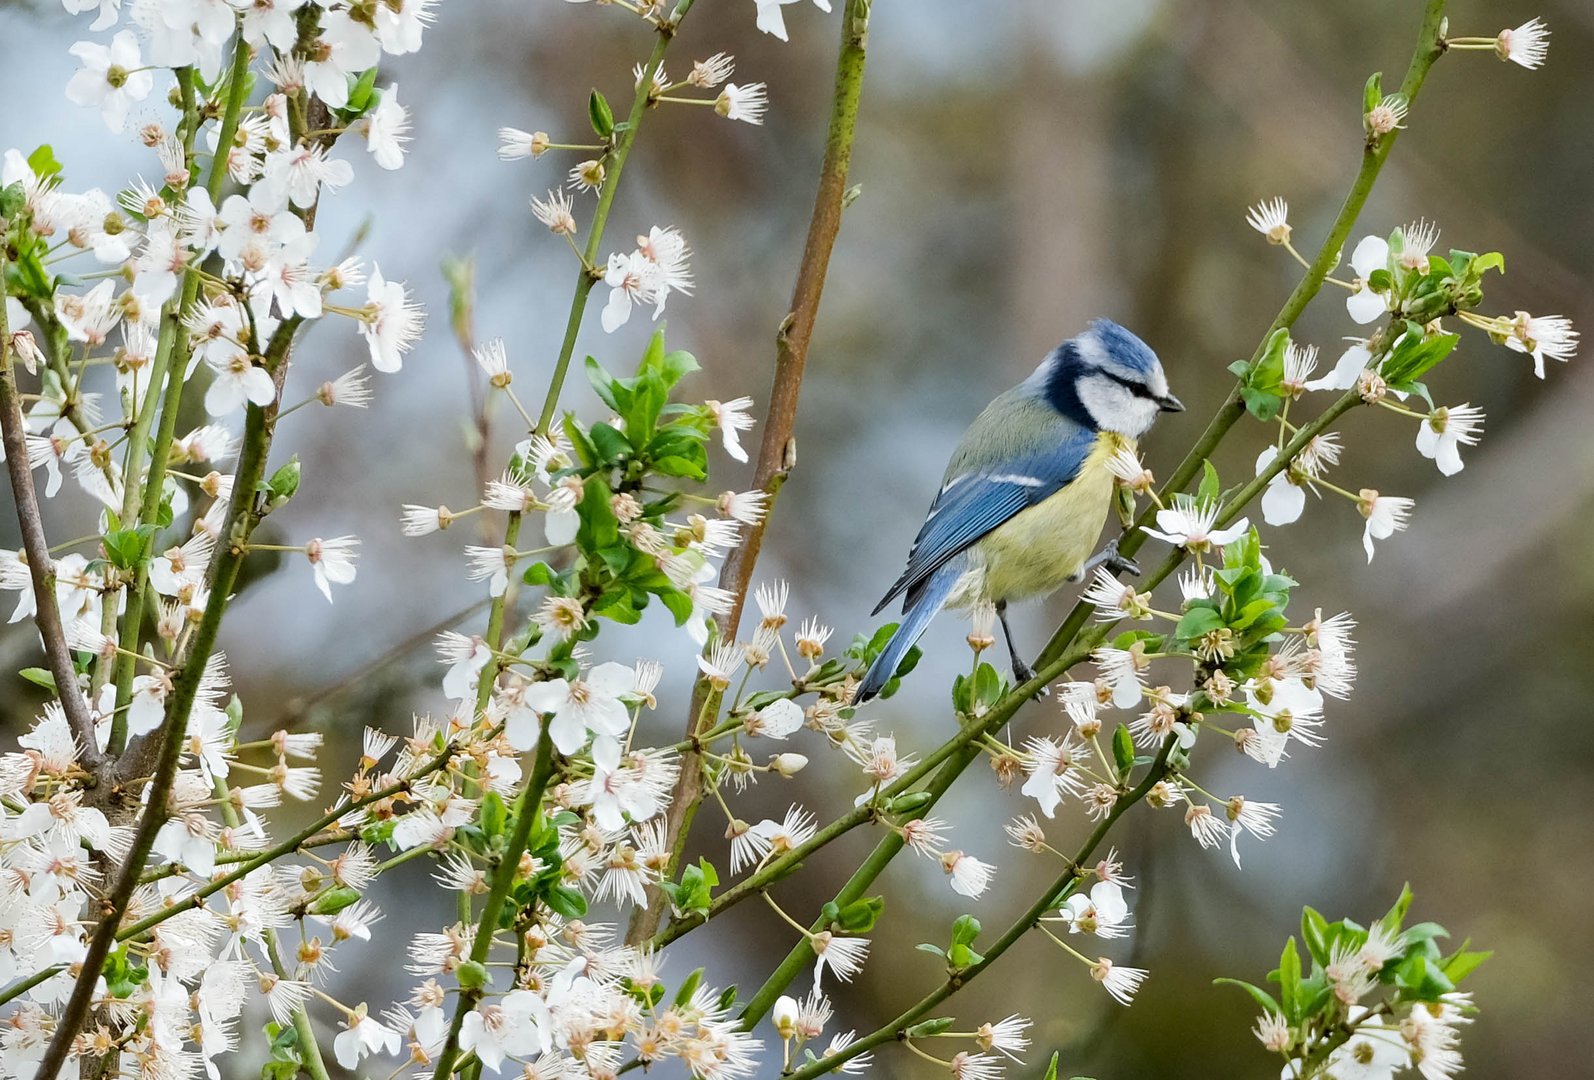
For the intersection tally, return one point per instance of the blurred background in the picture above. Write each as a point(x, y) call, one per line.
point(1024, 166)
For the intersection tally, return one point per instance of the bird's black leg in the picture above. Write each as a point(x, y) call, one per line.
point(1021, 670)
point(1109, 557)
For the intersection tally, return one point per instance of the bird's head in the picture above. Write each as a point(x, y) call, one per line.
point(1108, 379)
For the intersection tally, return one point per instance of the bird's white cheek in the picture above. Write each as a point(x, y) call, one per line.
point(1116, 409)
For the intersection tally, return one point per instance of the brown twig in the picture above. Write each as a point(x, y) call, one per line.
point(777, 452)
point(47, 614)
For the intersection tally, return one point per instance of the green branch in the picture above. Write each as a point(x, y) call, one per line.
point(1072, 643)
point(303, 838)
point(1048, 900)
point(528, 811)
point(600, 217)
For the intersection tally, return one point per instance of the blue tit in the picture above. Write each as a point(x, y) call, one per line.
point(1028, 488)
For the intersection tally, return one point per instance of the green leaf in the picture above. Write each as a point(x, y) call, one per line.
point(1314, 934)
point(606, 386)
point(1210, 487)
point(1397, 914)
point(1268, 374)
point(13, 199)
point(1463, 962)
point(1373, 92)
point(38, 676)
point(42, 162)
point(493, 814)
point(860, 916)
point(611, 444)
point(926, 1028)
point(563, 900)
point(689, 987)
point(285, 1061)
point(1263, 998)
point(1197, 621)
point(1411, 362)
point(965, 930)
point(599, 527)
point(126, 548)
point(1288, 977)
point(360, 93)
point(1261, 404)
point(472, 975)
point(601, 115)
point(333, 900)
point(1123, 750)
point(1051, 1070)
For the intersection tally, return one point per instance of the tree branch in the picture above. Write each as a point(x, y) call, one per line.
point(41, 568)
point(777, 451)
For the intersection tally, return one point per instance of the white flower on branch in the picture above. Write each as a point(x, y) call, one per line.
point(344, 48)
point(300, 174)
point(1189, 524)
point(771, 20)
point(1385, 514)
point(969, 876)
point(1271, 218)
point(842, 955)
point(112, 78)
point(332, 561)
point(590, 704)
point(732, 418)
point(363, 1037)
point(518, 1025)
point(1527, 45)
point(1371, 255)
point(1104, 912)
point(555, 212)
point(1049, 764)
point(391, 322)
point(386, 130)
point(1443, 433)
point(514, 144)
point(746, 103)
point(1540, 336)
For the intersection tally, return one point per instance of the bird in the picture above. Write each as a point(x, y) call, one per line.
point(1027, 490)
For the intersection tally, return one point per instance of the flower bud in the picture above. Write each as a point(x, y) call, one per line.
point(788, 765)
point(784, 1016)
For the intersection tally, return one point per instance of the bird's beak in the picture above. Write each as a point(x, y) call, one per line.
point(1169, 403)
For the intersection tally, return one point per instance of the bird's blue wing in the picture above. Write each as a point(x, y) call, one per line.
point(972, 504)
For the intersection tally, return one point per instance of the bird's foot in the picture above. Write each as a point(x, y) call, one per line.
point(1023, 673)
point(1114, 562)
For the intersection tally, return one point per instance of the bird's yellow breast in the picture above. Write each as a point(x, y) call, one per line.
point(1040, 548)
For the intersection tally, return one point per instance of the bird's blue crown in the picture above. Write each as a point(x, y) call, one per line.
point(1103, 347)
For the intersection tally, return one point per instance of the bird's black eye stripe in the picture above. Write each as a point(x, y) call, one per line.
point(1135, 388)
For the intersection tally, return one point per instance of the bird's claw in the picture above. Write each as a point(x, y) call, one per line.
point(1023, 673)
point(1114, 562)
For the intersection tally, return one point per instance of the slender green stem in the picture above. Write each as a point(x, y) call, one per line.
point(173, 344)
point(165, 746)
point(600, 216)
point(1054, 895)
point(299, 840)
point(776, 453)
point(1072, 643)
point(1374, 154)
point(41, 570)
point(528, 810)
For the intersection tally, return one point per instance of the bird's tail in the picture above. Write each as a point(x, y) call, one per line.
point(914, 621)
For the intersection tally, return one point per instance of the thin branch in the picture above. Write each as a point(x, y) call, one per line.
point(41, 568)
point(1051, 898)
point(306, 837)
point(777, 450)
point(1071, 643)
